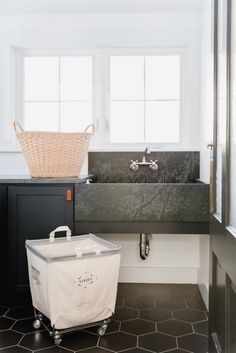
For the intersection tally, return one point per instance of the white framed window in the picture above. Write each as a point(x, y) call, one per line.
point(135, 97)
point(58, 93)
point(144, 99)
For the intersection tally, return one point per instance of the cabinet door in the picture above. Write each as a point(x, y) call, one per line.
point(33, 212)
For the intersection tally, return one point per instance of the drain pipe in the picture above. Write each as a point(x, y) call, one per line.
point(144, 245)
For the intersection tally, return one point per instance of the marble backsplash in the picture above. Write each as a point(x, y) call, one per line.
point(173, 167)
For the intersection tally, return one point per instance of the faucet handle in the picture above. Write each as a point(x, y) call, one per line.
point(153, 166)
point(134, 166)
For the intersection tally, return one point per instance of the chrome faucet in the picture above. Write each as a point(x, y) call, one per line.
point(146, 152)
point(134, 166)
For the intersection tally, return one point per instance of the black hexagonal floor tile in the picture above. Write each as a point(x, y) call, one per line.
point(93, 350)
point(9, 338)
point(197, 304)
point(54, 350)
point(155, 314)
point(140, 303)
point(189, 315)
point(138, 326)
point(5, 323)
point(118, 341)
point(37, 340)
point(3, 309)
point(174, 327)
point(21, 312)
point(194, 343)
point(187, 291)
point(201, 327)
point(133, 299)
point(14, 349)
point(79, 340)
point(124, 313)
point(136, 350)
point(119, 301)
point(161, 296)
point(177, 351)
point(172, 303)
point(157, 342)
point(147, 290)
point(127, 292)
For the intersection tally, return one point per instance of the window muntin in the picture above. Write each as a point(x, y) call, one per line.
point(58, 92)
point(144, 99)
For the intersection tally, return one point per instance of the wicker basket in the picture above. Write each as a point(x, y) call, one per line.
point(54, 154)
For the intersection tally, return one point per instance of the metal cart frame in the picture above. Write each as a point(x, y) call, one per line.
point(57, 334)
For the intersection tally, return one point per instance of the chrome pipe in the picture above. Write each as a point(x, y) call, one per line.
point(144, 245)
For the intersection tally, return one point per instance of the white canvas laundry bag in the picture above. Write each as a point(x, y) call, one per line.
point(73, 280)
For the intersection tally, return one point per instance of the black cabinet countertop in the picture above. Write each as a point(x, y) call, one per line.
point(25, 179)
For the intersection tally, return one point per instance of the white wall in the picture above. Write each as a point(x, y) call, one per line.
point(174, 258)
point(89, 31)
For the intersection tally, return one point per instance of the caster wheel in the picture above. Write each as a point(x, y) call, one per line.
point(102, 330)
point(57, 341)
point(37, 324)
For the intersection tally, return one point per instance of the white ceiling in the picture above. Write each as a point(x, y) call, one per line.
point(96, 6)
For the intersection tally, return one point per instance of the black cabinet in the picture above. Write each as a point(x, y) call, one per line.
point(33, 212)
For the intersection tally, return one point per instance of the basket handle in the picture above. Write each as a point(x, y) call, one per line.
point(60, 229)
point(92, 126)
point(17, 127)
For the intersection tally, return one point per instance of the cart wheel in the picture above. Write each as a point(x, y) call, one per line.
point(102, 330)
point(37, 324)
point(57, 341)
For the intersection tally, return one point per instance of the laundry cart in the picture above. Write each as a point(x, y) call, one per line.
point(73, 281)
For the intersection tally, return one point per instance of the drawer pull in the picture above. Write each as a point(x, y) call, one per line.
point(68, 195)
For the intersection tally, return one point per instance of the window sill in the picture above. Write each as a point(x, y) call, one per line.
point(10, 148)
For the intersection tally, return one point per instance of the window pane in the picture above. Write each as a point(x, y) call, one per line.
point(162, 74)
point(41, 116)
point(41, 79)
point(162, 122)
point(126, 122)
point(76, 78)
point(233, 121)
point(127, 78)
point(75, 116)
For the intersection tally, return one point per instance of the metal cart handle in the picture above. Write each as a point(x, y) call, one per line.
point(60, 229)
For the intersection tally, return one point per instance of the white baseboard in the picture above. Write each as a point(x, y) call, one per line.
point(204, 293)
point(158, 274)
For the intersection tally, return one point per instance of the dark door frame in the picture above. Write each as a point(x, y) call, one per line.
point(222, 300)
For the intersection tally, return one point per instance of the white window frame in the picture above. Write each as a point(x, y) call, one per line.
point(18, 76)
point(183, 123)
point(101, 83)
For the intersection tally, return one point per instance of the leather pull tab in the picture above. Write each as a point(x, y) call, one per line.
point(68, 195)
